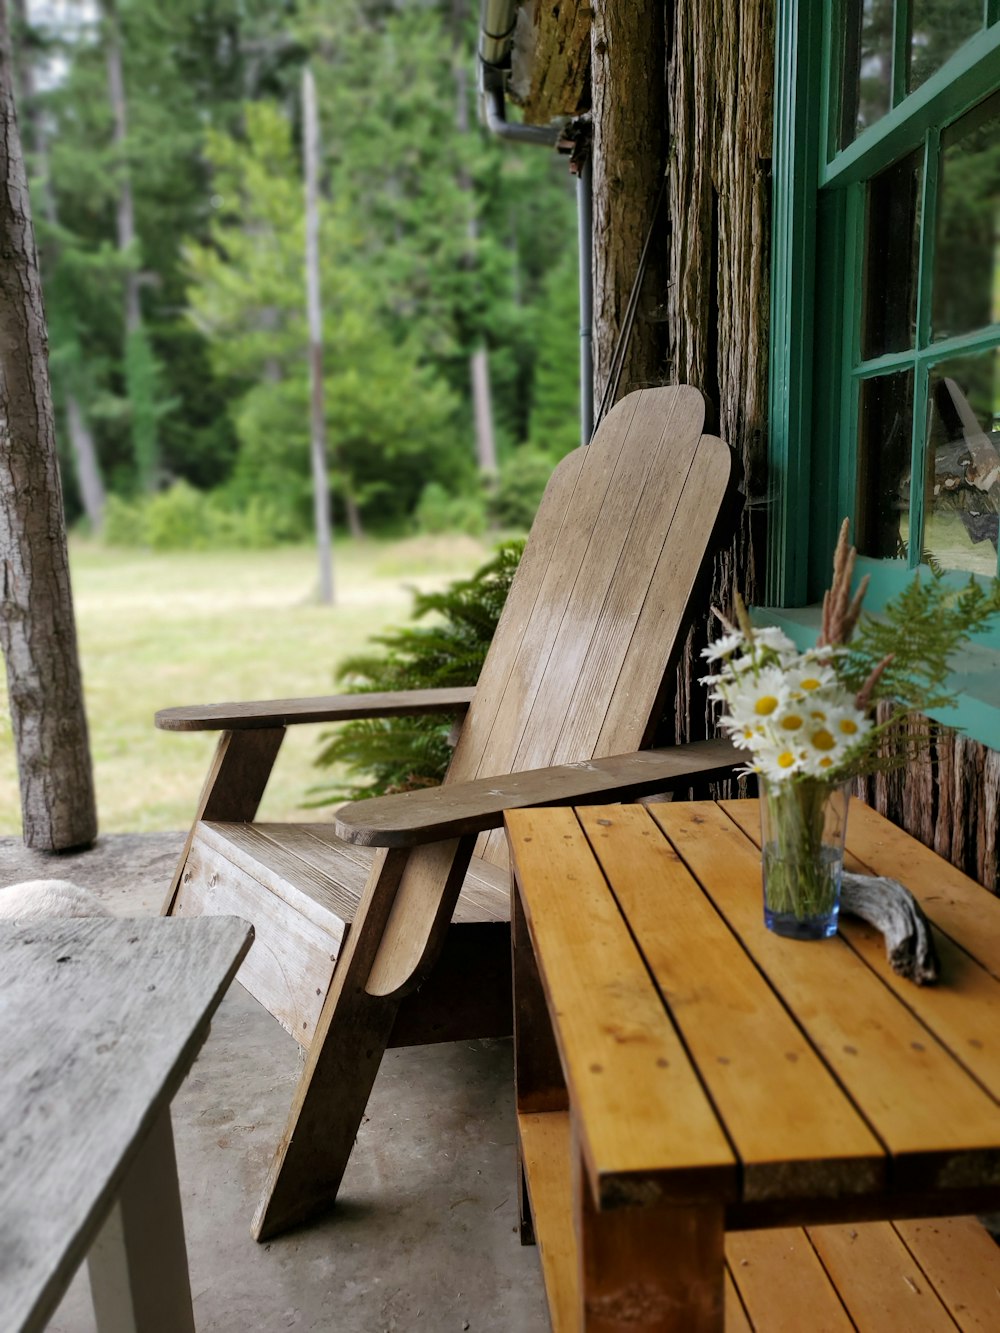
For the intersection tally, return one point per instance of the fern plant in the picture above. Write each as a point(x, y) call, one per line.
point(395, 754)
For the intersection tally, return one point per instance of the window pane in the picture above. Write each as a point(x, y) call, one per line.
point(885, 430)
point(962, 486)
point(967, 252)
point(867, 76)
point(938, 31)
point(891, 256)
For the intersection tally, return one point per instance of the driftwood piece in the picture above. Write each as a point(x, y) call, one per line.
point(896, 914)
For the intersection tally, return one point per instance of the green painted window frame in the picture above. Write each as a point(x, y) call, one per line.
point(818, 218)
point(818, 221)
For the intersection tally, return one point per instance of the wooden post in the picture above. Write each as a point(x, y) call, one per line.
point(37, 628)
point(321, 483)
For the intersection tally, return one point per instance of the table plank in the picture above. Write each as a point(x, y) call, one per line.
point(881, 1284)
point(959, 1257)
point(940, 1126)
point(963, 1010)
point(646, 1122)
point(782, 1283)
point(100, 1019)
point(796, 1132)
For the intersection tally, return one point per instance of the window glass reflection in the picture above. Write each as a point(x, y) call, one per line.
point(867, 66)
point(891, 258)
point(967, 251)
point(884, 437)
point(938, 30)
point(962, 484)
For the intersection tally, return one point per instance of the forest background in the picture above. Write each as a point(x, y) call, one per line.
point(165, 151)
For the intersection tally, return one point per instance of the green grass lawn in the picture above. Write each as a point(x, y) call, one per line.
point(162, 629)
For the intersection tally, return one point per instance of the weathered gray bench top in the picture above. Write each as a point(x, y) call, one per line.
point(100, 1019)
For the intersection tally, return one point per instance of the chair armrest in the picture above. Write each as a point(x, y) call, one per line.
point(326, 708)
point(456, 809)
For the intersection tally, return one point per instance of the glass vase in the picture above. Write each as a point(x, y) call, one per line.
point(803, 823)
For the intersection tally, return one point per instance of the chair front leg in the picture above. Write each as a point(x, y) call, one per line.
point(354, 1029)
point(233, 787)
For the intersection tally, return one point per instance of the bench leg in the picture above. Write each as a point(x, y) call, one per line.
point(653, 1267)
point(138, 1263)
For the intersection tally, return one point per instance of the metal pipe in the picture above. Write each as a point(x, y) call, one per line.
point(497, 19)
point(546, 136)
point(585, 234)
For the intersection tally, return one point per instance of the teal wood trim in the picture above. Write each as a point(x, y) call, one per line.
point(856, 200)
point(832, 80)
point(962, 344)
point(901, 31)
point(959, 84)
point(797, 122)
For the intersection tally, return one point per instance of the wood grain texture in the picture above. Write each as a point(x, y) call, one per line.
point(545, 1143)
point(646, 1123)
point(413, 818)
point(961, 1259)
point(881, 1285)
point(101, 1021)
point(940, 1126)
point(324, 708)
point(233, 787)
point(653, 1265)
point(551, 68)
point(788, 1119)
point(782, 1283)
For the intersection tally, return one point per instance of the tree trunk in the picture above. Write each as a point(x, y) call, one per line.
point(321, 481)
point(37, 628)
point(88, 470)
point(479, 358)
point(719, 88)
point(140, 361)
point(629, 155)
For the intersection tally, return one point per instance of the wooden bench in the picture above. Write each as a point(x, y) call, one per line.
point(674, 1121)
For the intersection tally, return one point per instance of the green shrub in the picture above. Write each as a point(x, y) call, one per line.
point(401, 753)
point(185, 519)
point(438, 511)
point(523, 477)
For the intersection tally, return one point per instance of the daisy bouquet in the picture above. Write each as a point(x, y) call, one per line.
point(809, 722)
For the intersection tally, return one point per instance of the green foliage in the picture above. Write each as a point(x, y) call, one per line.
point(523, 477)
point(922, 628)
point(438, 511)
point(555, 407)
point(184, 519)
point(399, 754)
point(390, 421)
point(919, 631)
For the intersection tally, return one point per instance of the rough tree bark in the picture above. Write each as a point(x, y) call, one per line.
point(719, 94)
point(81, 438)
point(37, 630)
point(629, 156)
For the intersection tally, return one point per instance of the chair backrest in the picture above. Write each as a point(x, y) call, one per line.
point(598, 608)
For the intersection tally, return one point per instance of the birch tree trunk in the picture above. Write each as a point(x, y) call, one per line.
point(317, 446)
point(629, 154)
point(81, 438)
point(37, 630)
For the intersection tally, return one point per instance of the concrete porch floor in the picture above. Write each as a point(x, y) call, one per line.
point(425, 1234)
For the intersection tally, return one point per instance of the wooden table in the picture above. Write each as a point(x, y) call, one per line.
point(100, 1020)
point(692, 1073)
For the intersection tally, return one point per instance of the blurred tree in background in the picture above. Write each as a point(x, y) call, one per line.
point(437, 240)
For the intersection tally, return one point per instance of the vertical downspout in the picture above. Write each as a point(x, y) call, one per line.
point(585, 234)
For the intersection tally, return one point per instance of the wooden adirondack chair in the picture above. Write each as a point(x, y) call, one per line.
point(358, 950)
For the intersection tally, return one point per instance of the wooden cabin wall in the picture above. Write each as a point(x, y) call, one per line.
point(719, 79)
